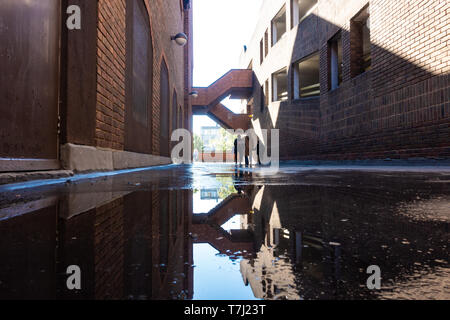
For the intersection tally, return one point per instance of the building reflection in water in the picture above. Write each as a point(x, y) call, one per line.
point(316, 242)
point(292, 242)
point(129, 245)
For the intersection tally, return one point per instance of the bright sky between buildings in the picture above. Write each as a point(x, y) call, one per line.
point(221, 29)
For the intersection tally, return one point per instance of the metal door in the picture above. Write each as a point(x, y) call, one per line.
point(29, 84)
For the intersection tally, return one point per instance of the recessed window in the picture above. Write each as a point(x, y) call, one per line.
point(361, 58)
point(261, 51)
point(164, 110)
point(266, 93)
point(301, 9)
point(335, 61)
point(174, 112)
point(139, 79)
point(264, 97)
point(279, 85)
point(306, 75)
point(279, 26)
point(266, 43)
point(140, 60)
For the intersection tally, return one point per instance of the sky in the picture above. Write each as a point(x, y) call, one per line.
point(208, 285)
point(221, 29)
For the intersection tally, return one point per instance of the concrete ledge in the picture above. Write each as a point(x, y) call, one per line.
point(80, 200)
point(130, 160)
point(16, 177)
point(87, 159)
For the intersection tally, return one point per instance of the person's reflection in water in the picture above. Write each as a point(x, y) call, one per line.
point(257, 152)
point(236, 150)
point(238, 173)
point(247, 151)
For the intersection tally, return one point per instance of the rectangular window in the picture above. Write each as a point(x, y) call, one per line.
point(306, 75)
point(335, 62)
point(261, 51)
point(279, 25)
point(279, 85)
point(301, 9)
point(266, 43)
point(361, 59)
point(262, 101)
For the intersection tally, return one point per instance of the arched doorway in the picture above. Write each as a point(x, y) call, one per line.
point(164, 111)
point(139, 83)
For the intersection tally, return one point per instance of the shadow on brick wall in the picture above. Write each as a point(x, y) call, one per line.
point(397, 109)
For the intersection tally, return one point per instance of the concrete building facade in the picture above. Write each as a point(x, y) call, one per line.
point(352, 79)
point(106, 96)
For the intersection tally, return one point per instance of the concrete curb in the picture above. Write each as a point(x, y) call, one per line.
point(16, 177)
point(87, 159)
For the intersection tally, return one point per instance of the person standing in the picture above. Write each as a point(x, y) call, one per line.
point(239, 149)
point(195, 155)
point(235, 150)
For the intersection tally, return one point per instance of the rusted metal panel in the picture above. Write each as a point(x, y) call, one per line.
point(29, 78)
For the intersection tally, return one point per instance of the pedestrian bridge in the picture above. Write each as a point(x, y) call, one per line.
point(236, 84)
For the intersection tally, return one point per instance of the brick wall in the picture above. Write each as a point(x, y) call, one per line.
point(167, 18)
point(109, 250)
point(398, 109)
point(111, 74)
point(411, 41)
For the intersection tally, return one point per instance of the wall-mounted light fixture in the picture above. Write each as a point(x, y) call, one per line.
point(181, 39)
point(194, 94)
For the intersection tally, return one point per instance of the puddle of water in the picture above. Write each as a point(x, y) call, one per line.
point(210, 232)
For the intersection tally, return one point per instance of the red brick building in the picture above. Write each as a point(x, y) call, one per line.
point(353, 79)
point(342, 80)
point(103, 97)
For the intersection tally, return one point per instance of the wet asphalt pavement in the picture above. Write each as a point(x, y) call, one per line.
point(214, 231)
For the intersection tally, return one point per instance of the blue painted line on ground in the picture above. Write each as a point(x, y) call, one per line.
point(77, 177)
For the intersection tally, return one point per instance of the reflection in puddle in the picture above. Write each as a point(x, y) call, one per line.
point(216, 277)
point(235, 240)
